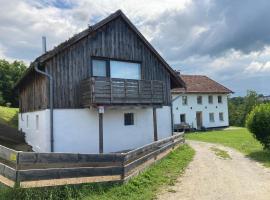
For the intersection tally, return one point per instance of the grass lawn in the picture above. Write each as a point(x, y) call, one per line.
point(240, 139)
point(9, 116)
point(144, 186)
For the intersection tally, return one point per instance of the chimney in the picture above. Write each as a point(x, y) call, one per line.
point(44, 47)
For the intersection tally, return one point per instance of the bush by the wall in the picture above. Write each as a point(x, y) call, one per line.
point(258, 123)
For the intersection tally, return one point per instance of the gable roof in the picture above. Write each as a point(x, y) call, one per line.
point(201, 84)
point(176, 80)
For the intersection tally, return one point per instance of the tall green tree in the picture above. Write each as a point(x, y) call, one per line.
point(240, 107)
point(10, 72)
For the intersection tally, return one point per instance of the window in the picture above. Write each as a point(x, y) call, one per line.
point(219, 99)
point(183, 118)
point(211, 117)
point(116, 69)
point(37, 122)
point(210, 99)
point(126, 70)
point(184, 100)
point(27, 121)
point(129, 119)
point(199, 99)
point(221, 118)
point(99, 68)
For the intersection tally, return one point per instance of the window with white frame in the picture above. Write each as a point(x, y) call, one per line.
point(221, 117)
point(219, 99)
point(211, 117)
point(210, 99)
point(184, 100)
point(199, 99)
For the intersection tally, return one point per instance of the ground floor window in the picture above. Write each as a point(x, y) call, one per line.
point(129, 119)
point(221, 118)
point(37, 122)
point(211, 117)
point(183, 118)
point(27, 121)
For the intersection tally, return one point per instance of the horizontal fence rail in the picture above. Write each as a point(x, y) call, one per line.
point(102, 90)
point(30, 169)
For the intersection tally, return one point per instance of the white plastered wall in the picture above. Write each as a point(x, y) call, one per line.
point(192, 107)
point(76, 130)
point(37, 134)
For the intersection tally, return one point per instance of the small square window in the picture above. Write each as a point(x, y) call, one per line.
point(221, 117)
point(211, 117)
point(210, 99)
point(199, 99)
point(184, 100)
point(219, 99)
point(129, 119)
point(183, 118)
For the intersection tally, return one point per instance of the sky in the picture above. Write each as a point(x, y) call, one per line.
point(227, 40)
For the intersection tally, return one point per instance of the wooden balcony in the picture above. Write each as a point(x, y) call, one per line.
point(114, 91)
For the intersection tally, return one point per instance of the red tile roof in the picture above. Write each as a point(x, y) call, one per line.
point(200, 84)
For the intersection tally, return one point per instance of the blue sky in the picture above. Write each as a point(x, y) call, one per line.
point(228, 41)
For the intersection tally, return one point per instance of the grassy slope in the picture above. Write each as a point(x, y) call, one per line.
point(239, 139)
point(144, 186)
point(9, 116)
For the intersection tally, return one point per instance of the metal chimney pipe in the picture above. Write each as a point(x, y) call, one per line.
point(44, 46)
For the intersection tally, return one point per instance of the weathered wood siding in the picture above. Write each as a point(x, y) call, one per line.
point(34, 94)
point(115, 40)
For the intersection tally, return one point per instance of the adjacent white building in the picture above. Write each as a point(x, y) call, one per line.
point(202, 104)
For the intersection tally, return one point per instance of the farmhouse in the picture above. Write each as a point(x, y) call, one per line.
point(202, 104)
point(104, 90)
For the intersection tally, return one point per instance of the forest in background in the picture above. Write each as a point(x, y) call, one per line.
point(10, 72)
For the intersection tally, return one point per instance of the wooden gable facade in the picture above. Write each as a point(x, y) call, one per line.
point(70, 63)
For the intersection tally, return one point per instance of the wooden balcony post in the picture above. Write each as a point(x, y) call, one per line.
point(100, 118)
point(155, 123)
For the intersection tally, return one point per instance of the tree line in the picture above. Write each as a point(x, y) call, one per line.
point(240, 107)
point(10, 72)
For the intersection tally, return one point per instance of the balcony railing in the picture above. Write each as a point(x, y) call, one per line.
point(114, 91)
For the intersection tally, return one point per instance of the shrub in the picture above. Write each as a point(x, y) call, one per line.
point(258, 123)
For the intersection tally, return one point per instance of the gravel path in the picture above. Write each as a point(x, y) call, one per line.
point(210, 177)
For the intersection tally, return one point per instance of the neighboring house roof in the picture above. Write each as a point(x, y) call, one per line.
point(178, 82)
point(201, 84)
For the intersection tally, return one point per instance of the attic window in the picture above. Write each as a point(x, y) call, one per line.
point(99, 68)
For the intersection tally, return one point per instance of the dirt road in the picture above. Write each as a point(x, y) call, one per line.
point(210, 177)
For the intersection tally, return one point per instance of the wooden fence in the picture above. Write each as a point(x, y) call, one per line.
point(30, 169)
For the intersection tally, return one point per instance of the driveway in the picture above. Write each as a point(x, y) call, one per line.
point(210, 177)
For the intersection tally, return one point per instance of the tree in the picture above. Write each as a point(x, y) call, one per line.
point(239, 107)
point(258, 123)
point(9, 75)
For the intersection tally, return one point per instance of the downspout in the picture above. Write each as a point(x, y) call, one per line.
point(50, 102)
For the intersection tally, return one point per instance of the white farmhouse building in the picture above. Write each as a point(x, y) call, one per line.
point(202, 104)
